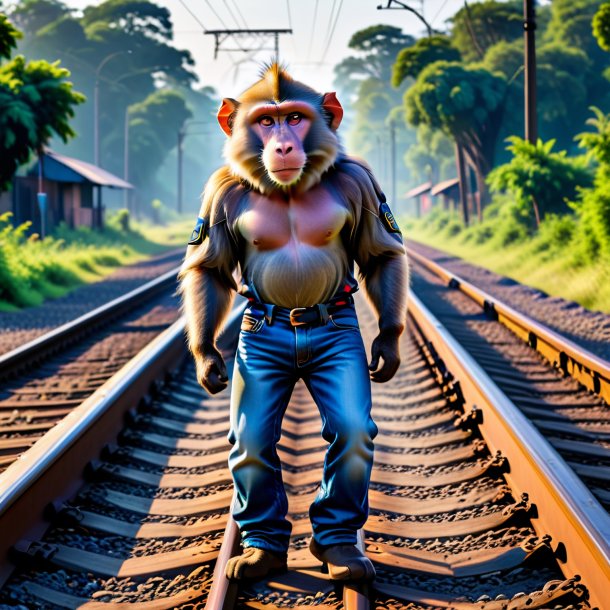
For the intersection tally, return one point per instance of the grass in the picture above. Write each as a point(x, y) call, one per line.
point(33, 270)
point(548, 260)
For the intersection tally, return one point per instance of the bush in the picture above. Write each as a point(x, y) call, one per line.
point(537, 173)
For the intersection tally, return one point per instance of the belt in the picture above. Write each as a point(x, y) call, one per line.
point(302, 316)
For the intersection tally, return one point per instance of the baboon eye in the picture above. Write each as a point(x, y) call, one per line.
point(294, 118)
point(266, 121)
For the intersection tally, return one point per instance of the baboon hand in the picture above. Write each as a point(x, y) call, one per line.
point(211, 370)
point(385, 347)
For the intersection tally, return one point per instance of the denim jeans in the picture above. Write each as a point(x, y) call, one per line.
point(331, 360)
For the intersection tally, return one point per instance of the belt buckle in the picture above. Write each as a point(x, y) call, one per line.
point(294, 313)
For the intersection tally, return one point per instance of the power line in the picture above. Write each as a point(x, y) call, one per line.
point(193, 15)
point(330, 37)
point(294, 44)
point(313, 25)
point(289, 15)
point(330, 20)
point(240, 13)
point(232, 14)
point(224, 25)
point(438, 12)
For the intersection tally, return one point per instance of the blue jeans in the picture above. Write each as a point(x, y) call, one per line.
point(331, 360)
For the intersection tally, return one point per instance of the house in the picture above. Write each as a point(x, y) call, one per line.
point(449, 191)
point(421, 194)
point(74, 191)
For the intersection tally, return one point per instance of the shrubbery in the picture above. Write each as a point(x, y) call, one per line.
point(34, 269)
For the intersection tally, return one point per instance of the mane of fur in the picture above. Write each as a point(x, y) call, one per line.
point(243, 150)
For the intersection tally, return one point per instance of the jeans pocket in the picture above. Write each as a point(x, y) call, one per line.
point(345, 320)
point(251, 324)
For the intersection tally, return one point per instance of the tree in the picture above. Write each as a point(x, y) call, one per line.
point(154, 125)
point(466, 103)
point(601, 26)
point(365, 78)
point(594, 206)
point(36, 101)
point(8, 37)
point(537, 175)
point(477, 27)
point(84, 41)
point(377, 47)
point(412, 60)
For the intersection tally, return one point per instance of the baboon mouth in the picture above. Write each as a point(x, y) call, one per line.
point(286, 169)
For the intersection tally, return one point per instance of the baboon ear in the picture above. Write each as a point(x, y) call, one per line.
point(331, 104)
point(226, 114)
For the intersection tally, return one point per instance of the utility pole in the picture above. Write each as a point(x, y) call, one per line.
point(529, 27)
point(96, 105)
point(126, 159)
point(402, 6)
point(181, 134)
point(221, 36)
point(393, 159)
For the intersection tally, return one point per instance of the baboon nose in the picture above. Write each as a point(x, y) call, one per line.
point(283, 150)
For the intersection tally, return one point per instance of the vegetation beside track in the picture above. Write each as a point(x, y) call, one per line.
point(549, 259)
point(34, 269)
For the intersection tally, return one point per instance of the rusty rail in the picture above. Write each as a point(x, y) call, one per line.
point(566, 508)
point(37, 349)
point(586, 368)
point(53, 469)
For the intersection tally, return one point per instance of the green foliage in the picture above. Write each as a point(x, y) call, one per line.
point(488, 23)
point(121, 219)
point(597, 143)
point(594, 207)
point(601, 26)
point(36, 102)
point(412, 60)
point(32, 270)
point(463, 102)
point(432, 155)
point(376, 48)
point(32, 15)
point(153, 125)
point(132, 16)
point(537, 173)
point(8, 37)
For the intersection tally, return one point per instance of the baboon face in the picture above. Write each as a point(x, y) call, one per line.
point(282, 134)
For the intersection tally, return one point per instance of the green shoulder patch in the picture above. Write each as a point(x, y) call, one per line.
point(200, 232)
point(388, 218)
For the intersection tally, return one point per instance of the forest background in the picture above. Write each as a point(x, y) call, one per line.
point(459, 89)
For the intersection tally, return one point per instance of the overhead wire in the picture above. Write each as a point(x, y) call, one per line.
point(232, 14)
point(240, 14)
point(313, 26)
point(193, 15)
point(330, 37)
point(330, 21)
point(224, 25)
point(294, 44)
point(438, 12)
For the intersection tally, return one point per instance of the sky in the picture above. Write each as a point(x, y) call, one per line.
point(310, 52)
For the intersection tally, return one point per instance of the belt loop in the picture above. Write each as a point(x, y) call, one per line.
point(269, 311)
point(323, 313)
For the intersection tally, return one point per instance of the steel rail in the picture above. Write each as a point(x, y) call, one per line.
point(586, 368)
point(37, 349)
point(53, 469)
point(566, 508)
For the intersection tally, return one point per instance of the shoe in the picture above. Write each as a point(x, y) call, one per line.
point(344, 561)
point(254, 563)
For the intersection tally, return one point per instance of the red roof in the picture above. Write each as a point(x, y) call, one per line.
point(419, 190)
point(443, 186)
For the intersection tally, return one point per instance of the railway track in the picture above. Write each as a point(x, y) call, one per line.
point(470, 507)
point(561, 387)
point(45, 379)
